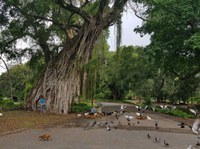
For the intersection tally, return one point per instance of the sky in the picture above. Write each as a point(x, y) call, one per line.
point(129, 37)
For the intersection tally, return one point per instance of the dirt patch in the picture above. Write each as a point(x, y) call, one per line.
point(20, 119)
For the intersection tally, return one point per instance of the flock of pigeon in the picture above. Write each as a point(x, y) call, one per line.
point(122, 113)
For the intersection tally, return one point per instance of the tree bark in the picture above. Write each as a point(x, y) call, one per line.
point(60, 82)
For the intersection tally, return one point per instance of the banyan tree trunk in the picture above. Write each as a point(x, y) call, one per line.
point(61, 80)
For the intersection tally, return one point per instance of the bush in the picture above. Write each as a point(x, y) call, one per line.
point(80, 107)
point(9, 104)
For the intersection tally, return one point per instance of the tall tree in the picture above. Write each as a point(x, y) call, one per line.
point(174, 29)
point(82, 23)
point(174, 26)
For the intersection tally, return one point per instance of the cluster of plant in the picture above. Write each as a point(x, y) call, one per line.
point(81, 107)
point(9, 104)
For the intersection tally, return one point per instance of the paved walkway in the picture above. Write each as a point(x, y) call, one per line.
point(78, 138)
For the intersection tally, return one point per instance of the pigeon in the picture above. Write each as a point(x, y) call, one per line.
point(92, 124)
point(1, 114)
point(195, 126)
point(122, 107)
point(149, 118)
point(79, 115)
point(182, 124)
point(108, 127)
point(148, 136)
point(193, 111)
point(161, 106)
point(138, 108)
point(138, 114)
point(156, 124)
point(128, 117)
point(86, 114)
point(153, 108)
point(146, 107)
point(157, 139)
point(165, 143)
point(197, 144)
point(116, 115)
point(190, 147)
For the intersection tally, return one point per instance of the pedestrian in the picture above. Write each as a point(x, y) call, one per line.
point(43, 104)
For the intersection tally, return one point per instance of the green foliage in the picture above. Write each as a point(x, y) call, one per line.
point(9, 104)
point(174, 47)
point(20, 76)
point(194, 100)
point(81, 107)
point(147, 102)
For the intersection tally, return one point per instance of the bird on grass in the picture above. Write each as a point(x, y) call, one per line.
point(45, 137)
point(195, 112)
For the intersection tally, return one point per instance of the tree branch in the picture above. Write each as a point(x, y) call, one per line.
point(136, 12)
point(116, 9)
point(186, 76)
point(74, 9)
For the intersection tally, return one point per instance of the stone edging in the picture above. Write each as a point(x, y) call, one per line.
point(14, 131)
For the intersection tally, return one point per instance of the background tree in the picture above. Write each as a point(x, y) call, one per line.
point(174, 29)
point(21, 81)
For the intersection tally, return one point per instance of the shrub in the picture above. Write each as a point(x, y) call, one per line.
point(80, 107)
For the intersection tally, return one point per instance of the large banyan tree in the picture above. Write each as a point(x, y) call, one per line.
point(82, 22)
